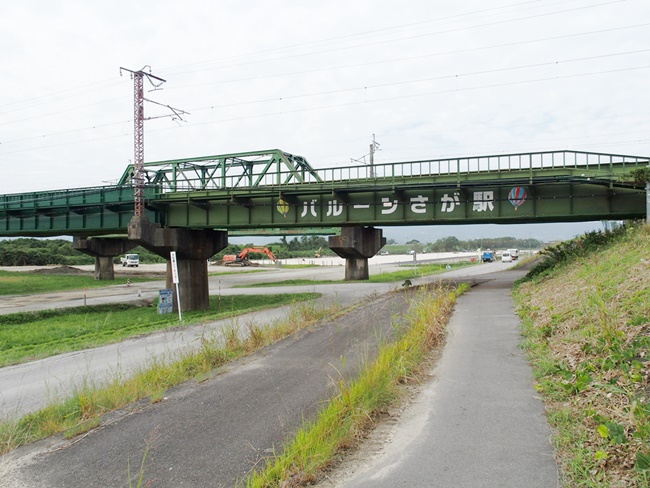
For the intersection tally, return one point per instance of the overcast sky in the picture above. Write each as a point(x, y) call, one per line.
point(429, 78)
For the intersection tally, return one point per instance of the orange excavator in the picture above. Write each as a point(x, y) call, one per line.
point(241, 259)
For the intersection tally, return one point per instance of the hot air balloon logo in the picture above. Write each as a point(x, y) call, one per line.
point(517, 197)
point(282, 207)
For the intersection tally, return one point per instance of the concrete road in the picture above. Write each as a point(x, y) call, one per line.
point(329, 268)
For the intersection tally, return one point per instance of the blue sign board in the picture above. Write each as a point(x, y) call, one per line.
point(165, 301)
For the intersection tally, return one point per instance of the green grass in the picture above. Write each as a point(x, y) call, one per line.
point(417, 272)
point(23, 283)
point(30, 335)
point(296, 282)
point(588, 345)
point(83, 410)
point(410, 273)
point(352, 413)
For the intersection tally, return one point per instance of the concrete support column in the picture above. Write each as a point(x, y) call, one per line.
point(356, 245)
point(103, 249)
point(104, 269)
point(194, 288)
point(193, 249)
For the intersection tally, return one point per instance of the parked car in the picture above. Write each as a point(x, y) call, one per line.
point(506, 257)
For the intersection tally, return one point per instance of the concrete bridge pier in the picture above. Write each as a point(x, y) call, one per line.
point(193, 249)
point(104, 250)
point(356, 245)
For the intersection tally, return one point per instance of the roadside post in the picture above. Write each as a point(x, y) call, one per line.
point(172, 256)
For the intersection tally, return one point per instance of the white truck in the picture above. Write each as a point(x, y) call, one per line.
point(514, 253)
point(130, 260)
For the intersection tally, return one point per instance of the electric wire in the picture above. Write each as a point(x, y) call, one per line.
point(322, 107)
point(362, 88)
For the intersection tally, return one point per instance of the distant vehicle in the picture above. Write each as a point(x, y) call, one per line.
point(506, 257)
point(487, 257)
point(241, 259)
point(514, 253)
point(131, 260)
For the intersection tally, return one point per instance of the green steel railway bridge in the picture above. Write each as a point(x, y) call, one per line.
point(192, 204)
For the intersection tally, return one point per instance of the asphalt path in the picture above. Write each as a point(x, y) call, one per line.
point(478, 422)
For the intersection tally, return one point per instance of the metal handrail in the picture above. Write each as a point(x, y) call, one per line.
point(206, 180)
point(425, 168)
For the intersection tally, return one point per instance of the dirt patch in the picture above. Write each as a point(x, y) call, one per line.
point(62, 270)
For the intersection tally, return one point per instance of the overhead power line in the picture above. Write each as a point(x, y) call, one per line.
point(406, 38)
point(377, 100)
point(352, 89)
point(199, 64)
point(419, 57)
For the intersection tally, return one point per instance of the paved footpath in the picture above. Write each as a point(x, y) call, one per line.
point(478, 422)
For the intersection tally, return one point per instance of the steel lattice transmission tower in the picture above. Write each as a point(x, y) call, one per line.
point(138, 133)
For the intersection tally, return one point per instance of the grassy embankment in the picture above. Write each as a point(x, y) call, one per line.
point(586, 318)
point(394, 276)
point(83, 410)
point(27, 336)
point(350, 415)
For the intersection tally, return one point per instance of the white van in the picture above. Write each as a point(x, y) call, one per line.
point(506, 257)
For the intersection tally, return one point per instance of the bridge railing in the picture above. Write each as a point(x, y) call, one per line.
point(428, 168)
point(71, 198)
point(485, 164)
point(165, 181)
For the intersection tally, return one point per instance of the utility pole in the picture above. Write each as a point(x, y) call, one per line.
point(373, 147)
point(138, 132)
